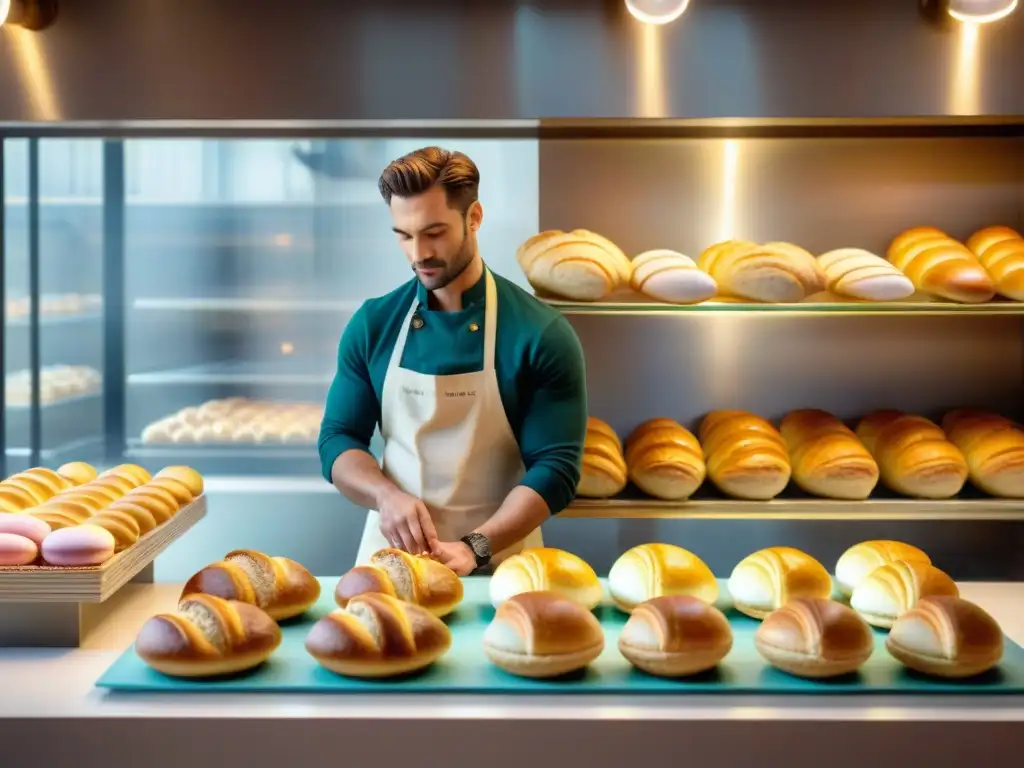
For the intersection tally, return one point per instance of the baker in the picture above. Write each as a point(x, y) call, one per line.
point(477, 387)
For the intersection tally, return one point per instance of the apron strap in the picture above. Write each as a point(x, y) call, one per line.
point(490, 320)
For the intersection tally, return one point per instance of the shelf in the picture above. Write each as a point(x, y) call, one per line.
point(235, 459)
point(62, 402)
point(235, 373)
point(246, 305)
point(52, 321)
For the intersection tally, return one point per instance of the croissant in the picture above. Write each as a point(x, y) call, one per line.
point(665, 460)
point(893, 589)
point(746, 457)
point(940, 266)
point(377, 635)
point(208, 636)
point(760, 273)
point(828, 459)
point(993, 447)
point(546, 569)
point(578, 265)
point(1001, 251)
point(410, 578)
point(604, 471)
point(279, 586)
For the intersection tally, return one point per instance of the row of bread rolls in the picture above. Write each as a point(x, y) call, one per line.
point(746, 457)
point(239, 420)
point(584, 266)
point(75, 516)
point(56, 382)
point(51, 304)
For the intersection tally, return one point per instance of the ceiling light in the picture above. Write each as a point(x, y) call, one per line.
point(980, 11)
point(30, 14)
point(657, 11)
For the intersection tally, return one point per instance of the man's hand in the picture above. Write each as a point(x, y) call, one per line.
point(456, 555)
point(405, 523)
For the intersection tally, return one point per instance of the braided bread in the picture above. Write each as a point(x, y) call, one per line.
point(279, 586)
point(377, 635)
point(410, 578)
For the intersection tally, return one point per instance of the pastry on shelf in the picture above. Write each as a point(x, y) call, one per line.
point(578, 265)
point(546, 570)
point(771, 273)
point(54, 305)
point(56, 383)
point(78, 545)
point(653, 570)
point(769, 578)
point(410, 578)
point(914, 456)
point(946, 637)
point(377, 636)
point(827, 457)
point(941, 266)
point(675, 636)
point(208, 637)
point(671, 277)
point(664, 460)
point(77, 472)
point(542, 634)
point(893, 589)
point(746, 456)
point(26, 526)
point(993, 447)
point(1001, 252)
point(815, 638)
point(858, 562)
point(858, 274)
point(239, 421)
point(16, 549)
point(604, 471)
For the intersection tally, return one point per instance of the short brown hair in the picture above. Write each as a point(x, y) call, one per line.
point(415, 173)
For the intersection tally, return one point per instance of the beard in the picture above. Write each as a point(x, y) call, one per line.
point(450, 269)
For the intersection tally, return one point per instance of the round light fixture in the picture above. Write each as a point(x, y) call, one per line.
point(5, 11)
point(30, 14)
point(981, 11)
point(657, 11)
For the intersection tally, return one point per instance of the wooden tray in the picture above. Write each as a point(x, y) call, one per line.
point(94, 584)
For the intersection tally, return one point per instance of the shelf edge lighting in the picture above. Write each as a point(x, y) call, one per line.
point(981, 11)
point(657, 11)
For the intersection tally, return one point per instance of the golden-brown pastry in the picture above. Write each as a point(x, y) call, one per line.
point(665, 460)
point(281, 587)
point(675, 636)
point(176, 488)
point(859, 274)
point(77, 512)
point(16, 496)
point(745, 455)
point(893, 589)
point(604, 471)
point(120, 525)
point(1001, 251)
point(56, 483)
point(769, 578)
point(576, 265)
point(857, 563)
point(133, 472)
point(377, 635)
point(158, 501)
point(410, 578)
point(206, 637)
point(36, 487)
point(93, 499)
point(654, 570)
point(142, 516)
point(993, 447)
point(55, 520)
point(546, 570)
point(671, 277)
point(827, 458)
point(940, 266)
point(946, 637)
point(814, 637)
point(78, 472)
point(542, 634)
point(808, 268)
point(760, 273)
point(914, 456)
point(184, 475)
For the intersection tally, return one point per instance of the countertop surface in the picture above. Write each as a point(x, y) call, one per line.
point(59, 683)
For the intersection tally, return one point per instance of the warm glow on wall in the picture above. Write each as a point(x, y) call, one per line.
point(657, 11)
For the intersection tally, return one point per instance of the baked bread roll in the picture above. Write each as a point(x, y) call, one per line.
point(51, 479)
point(546, 569)
point(410, 578)
point(29, 527)
point(377, 635)
point(207, 637)
point(859, 274)
point(808, 269)
point(184, 475)
point(577, 265)
point(827, 458)
point(664, 460)
point(893, 589)
point(940, 266)
point(78, 545)
point(604, 471)
point(78, 472)
point(769, 578)
point(671, 277)
point(914, 457)
point(860, 560)
point(746, 457)
point(279, 586)
point(946, 637)
point(814, 637)
point(654, 570)
point(542, 634)
point(120, 525)
point(1001, 252)
point(993, 447)
point(760, 273)
point(133, 472)
point(675, 636)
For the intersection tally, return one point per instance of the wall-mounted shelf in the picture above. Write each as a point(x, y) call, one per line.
point(235, 373)
point(228, 304)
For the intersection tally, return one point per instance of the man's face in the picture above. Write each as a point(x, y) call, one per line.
point(438, 240)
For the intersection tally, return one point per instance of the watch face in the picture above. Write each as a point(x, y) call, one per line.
point(481, 547)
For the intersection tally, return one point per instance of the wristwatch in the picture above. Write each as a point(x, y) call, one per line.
point(480, 546)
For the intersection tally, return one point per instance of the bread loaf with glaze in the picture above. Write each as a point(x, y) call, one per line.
point(827, 458)
point(940, 266)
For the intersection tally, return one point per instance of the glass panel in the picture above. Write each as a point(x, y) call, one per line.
point(18, 374)
point(244, 261)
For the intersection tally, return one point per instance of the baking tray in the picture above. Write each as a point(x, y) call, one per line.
point(465, 668)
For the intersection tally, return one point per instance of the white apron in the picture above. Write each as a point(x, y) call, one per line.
point(448, 442)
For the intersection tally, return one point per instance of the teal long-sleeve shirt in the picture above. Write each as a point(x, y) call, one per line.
point(538, 362)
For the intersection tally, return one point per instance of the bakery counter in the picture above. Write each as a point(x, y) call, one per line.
point(51, 712)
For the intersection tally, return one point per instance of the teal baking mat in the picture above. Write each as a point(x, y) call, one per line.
point(465, 668)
